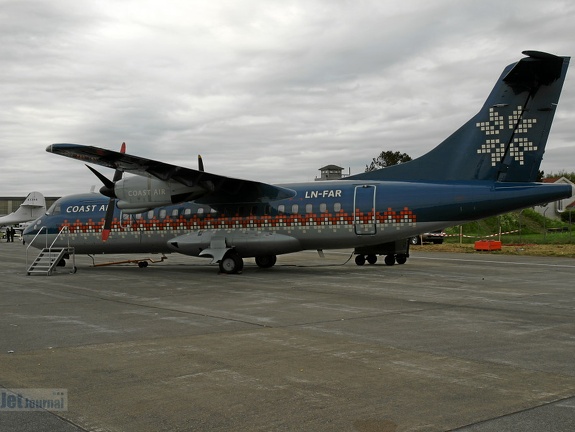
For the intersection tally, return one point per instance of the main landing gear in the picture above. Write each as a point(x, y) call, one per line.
point(233, 263)
point(389, 259)
point(394, 252)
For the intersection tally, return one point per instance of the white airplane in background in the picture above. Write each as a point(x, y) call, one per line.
point(31, 209)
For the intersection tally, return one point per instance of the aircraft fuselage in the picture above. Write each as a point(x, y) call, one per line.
point(321, 215)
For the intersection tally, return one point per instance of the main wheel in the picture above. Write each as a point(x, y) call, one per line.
point(372, 259)
point(389, 260)
point(415, 240)
point(401, 259)
point(360, 260)
point(231, 263)
point(266, 261)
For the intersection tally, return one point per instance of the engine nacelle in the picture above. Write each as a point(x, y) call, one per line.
point(148, 192)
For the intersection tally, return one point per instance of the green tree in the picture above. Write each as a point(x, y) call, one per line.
point(568, 175)
point(387, 158)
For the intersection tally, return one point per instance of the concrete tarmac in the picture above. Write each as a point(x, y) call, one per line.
point(467, 342)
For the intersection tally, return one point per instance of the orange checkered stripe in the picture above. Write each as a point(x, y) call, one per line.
point(340, 219)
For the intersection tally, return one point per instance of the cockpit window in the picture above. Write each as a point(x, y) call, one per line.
point(55, 209)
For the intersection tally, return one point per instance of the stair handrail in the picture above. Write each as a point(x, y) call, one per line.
point(34, 239)
point(64, 228)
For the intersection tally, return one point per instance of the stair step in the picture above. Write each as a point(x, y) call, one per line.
point(47, 260)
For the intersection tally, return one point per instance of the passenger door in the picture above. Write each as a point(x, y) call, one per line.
point(364, 210)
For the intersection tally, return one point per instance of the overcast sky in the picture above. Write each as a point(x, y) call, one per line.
point(262, 89)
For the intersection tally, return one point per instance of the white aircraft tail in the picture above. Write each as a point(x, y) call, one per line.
point(32, 208)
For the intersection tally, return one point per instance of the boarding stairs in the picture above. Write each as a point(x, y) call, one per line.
point(47, 260)
point(50, 256)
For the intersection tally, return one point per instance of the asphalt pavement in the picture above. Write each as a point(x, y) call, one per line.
point(467, 342)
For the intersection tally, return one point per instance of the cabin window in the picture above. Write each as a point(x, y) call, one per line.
point(151, 214)
point(188, 212)
point(175, 213)
point(163, 213)
point(281, 208)
point(323, 207)
point(200, 211)
point(126, 219)
point(294, 208)
point(308, 208)
point(138, 216)
point(337, 207)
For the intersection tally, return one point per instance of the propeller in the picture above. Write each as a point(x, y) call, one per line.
point(108, 190)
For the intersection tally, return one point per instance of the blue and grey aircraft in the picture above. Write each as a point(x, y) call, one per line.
point(489, 166)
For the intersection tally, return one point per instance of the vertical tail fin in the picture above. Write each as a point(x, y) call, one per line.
point(35, 199)
point(32, 208)
point(506, 140)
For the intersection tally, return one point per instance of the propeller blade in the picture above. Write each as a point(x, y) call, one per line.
point(108, 190)
point(108, 184)
point(108, 221)
point(112, 203)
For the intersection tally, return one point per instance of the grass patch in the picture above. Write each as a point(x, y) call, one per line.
point(525, 249)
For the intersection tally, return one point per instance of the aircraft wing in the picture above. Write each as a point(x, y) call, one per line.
point(218, 188)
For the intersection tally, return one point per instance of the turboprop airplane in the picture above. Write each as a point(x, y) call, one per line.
point(32, 208)
point(487, 167)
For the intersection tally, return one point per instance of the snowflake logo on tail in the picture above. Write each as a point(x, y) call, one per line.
point(497, 123)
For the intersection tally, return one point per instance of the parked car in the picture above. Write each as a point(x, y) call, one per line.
point(435, 237)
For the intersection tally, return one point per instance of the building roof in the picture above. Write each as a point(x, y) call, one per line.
point(331, 167)
point(561, 179)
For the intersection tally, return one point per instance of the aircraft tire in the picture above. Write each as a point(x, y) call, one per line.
point(415, 240)
point(142, 264)
point(266, 261)
point(389, 260)
point(372, 259)
point(231, 263)
point(360, 260)
point(401, 259)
